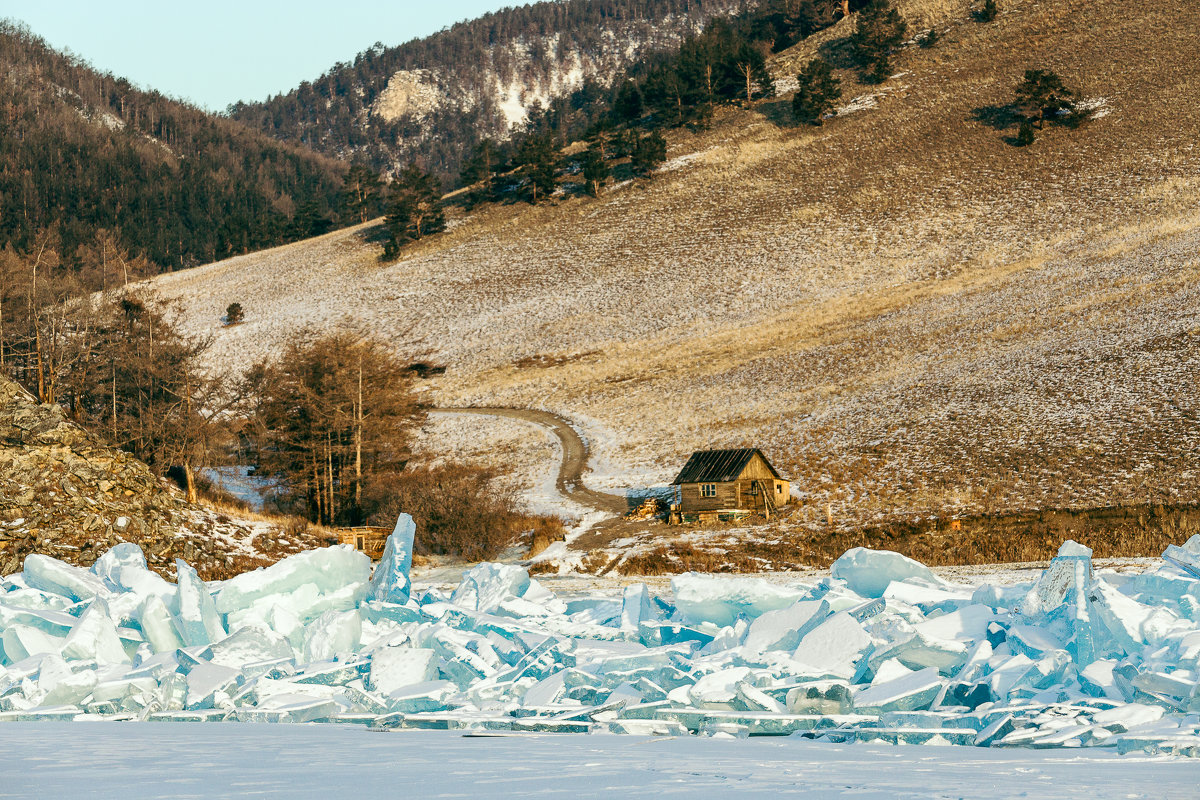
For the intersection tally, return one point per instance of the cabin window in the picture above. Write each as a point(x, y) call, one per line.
point(779, 488)
point(708, 490)
point(358, 543)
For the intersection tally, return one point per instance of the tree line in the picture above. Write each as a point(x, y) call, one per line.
point(92, 156)
point(329, 423)
point(520, 45)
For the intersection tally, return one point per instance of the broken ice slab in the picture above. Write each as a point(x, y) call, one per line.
point(330, 673)
point(198, 620)
point(783, 628)
point(761, 723)
point(353, 718)
point(868, 572)
point(752, 699)
point(966, 623)
point(427, 696)
point(673, 633)
point(332, 633)
point(289, 708)
point(487, 585)
point(927, 598)
point(198, 715)
point(249, 646)
point(1176, 745)
point(717, 690)
point(95, 637)
point(480, 721)
point(643, 710)
point(336, 579)
point(55, 623)
point(20, 642)
point(725, 730)
point(636, 607)
point(997, 729)
point(915, 736)
point(720, 600)
point(913, 691)
point(1186, 560)
point(158, 626)
point(1127, 717)
point(123, 569)
point(51, 575)
point(396, 667)
point(646, 727)
point(205, 680)
point(390, 583)
point(61, 713)
point(1070, 570)
point(919, 651)
point(820, 697)
point(1133, 625)
point(834, 648)
point(1031, 641)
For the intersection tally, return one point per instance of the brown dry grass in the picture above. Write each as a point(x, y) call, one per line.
point(1128, 532)
point(913, 317)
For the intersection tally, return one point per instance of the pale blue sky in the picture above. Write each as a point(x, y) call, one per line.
point(213, 52)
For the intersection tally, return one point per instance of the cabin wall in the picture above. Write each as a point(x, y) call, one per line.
point(690, 500)
point(757, 469)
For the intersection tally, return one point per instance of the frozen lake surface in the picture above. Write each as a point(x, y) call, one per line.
point(129, 761)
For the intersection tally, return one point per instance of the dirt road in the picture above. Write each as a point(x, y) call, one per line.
point(575, 455)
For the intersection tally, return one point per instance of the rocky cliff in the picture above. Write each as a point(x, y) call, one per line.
point(66, 494)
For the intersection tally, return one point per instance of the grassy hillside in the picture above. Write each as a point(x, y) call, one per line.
point(910, 315)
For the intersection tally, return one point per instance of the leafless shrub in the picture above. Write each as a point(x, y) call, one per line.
point(458, 510)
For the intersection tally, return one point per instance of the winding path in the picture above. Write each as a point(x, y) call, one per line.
point(575, 455)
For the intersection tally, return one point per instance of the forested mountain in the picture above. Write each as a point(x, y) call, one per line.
point(86, 156)
point(429, 99)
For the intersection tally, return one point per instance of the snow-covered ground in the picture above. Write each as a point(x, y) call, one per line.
point(161, 760)
point(525, 455)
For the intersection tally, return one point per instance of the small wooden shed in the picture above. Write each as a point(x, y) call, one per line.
point(365, 539)
point(716, 484)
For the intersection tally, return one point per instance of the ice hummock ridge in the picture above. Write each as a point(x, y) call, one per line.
point(881, 650)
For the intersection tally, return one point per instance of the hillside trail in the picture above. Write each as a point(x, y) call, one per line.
point(574, 460)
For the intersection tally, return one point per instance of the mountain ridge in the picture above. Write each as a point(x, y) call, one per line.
point(476, 79)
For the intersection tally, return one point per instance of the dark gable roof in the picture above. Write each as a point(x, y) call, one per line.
point(718, 466)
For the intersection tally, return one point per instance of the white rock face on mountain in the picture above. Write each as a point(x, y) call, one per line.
point(409, 93)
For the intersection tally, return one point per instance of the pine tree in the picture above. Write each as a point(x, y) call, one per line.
point(414, 211)
point(234, 314)
point(595, 170)
point(538, 165)
point(651, 150)
point(360, 193)
point(1042, 96)
point(480, 170)
point(988, 12)
point(817, 93)
point(750, 65)
point(1024, 134)
point(629, 105)
point(879, 31)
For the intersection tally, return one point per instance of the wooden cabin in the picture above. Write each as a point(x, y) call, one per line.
point(366, 539)
point(728, 484)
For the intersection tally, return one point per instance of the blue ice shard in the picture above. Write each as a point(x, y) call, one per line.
point(391, 582)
